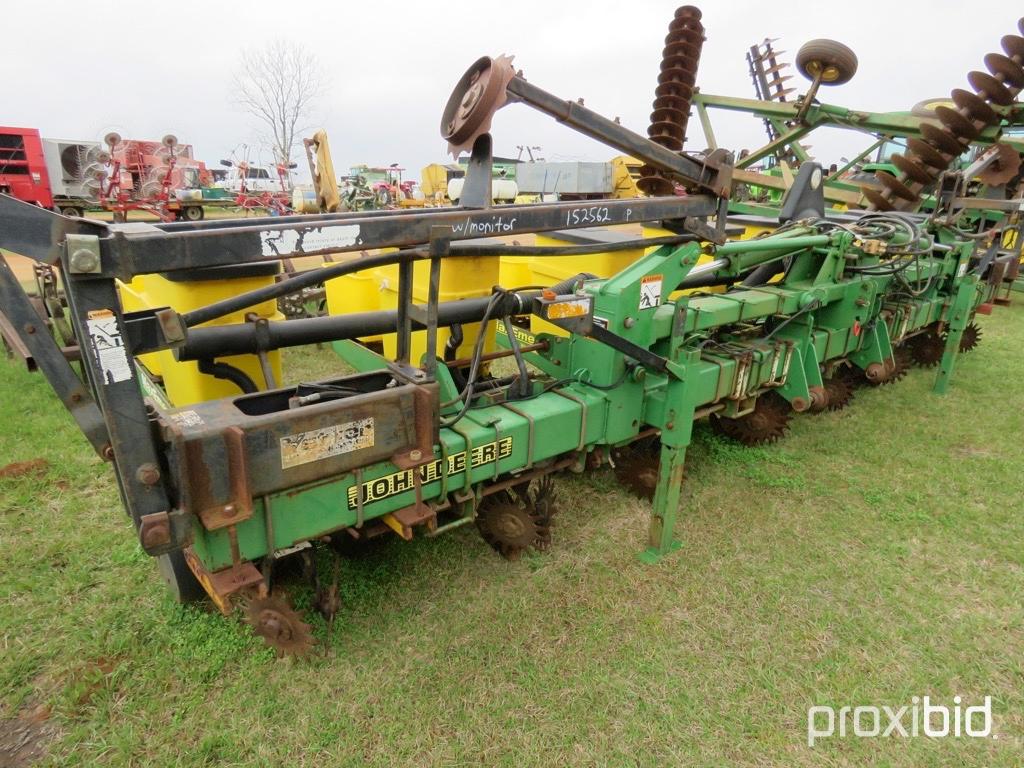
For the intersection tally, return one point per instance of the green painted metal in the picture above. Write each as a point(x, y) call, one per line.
point(718, 352)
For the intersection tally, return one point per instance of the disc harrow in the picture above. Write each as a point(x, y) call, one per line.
point(671, 107)
point(926, 158)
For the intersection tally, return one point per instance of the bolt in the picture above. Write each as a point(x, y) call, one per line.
point(76, 397)
point(84, 260)
point(148, 474)
point(670, 425)
point(229, 510)
point(29, 328)
point(156, 535)
point(108, 452)
point(629, 322)
point(415, 454)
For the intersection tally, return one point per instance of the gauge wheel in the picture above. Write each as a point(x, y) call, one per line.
point(835, 62)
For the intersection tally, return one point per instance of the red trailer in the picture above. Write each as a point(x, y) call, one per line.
point(22, 168)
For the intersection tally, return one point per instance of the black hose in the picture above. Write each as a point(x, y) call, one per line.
point(227, 372)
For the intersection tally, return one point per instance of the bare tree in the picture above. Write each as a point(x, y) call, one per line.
point(278, 83)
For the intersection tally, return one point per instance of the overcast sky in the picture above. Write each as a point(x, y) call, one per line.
point(77, 70)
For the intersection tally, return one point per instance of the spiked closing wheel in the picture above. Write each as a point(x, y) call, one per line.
point(926, 348)
point(637, 466)
point(970, 338)
point(539, 499)
point(904, 362)
point(839, 393)
point(507, 526)
point(766, 424)
point(279, 625)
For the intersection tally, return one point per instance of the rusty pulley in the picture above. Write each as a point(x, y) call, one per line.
point(477, 96)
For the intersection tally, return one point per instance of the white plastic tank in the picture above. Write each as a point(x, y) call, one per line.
point(502, 190)
point(304, 201)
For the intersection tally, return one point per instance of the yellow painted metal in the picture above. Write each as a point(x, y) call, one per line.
point(182, 381)
point(325, 182)
point(357, 292)
point(548, 270)
point(392, 522)
point(460, 279)
point(625, 173)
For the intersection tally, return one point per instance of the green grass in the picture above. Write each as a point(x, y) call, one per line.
point(875, 554)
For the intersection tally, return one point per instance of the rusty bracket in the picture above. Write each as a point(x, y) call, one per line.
point(221, 585)
point(239, 508)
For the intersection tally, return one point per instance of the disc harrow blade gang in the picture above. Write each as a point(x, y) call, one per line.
point(927, 154)
point(1012, 73)
point(974, 107)
point(912, 169)
point(990, 87)
point(895, 186)
point(957, 124)
point(671, 107)
point(942, 140)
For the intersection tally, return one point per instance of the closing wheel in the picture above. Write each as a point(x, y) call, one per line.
point(970, 338)
point(833, 61)
point(70, 210)
point(183, 584)
point(192, 213)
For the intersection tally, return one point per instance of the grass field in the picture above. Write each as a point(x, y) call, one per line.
point(874, 555)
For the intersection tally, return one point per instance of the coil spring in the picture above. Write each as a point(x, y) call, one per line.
point(672, 97)
point(927, 158)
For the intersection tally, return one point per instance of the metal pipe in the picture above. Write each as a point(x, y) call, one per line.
point(246, 338)
point(776, 243)
point(598, 127)
point(489, 356)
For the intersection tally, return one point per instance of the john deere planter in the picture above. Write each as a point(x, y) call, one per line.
point(218, 489)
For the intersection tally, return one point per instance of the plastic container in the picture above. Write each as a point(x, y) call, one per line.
point(182, 381)
point(548, 270)
point(377, 289)
point(356, 292)
point(460, 279)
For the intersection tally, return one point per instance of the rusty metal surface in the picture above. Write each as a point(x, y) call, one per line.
point(1005, 167)
point(676, 81)
point(273, 619)
point(222, 585)
point(238, 507)
point(926, 159)
point(268, 446)
point(477, 96)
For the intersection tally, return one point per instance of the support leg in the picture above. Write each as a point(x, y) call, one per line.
point(959, 316)
point(661, 539)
